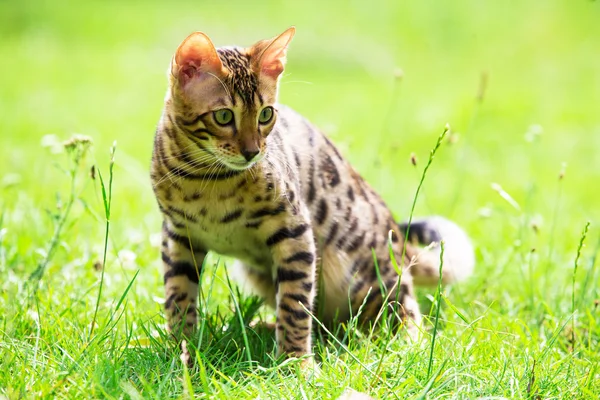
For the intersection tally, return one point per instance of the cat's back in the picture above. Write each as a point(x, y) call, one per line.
point(348, 217)
point(328, 182)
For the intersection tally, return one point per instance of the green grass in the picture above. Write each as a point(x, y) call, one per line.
point(525, 325)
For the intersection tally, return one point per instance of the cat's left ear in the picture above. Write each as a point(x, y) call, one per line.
point(196, 57)
point(269, 55)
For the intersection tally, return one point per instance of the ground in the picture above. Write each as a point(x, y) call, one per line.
point(519, 85)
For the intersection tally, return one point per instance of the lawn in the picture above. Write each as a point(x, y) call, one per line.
point(519, 84)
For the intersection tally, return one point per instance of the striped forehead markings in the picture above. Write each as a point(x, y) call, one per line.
point(242, 80)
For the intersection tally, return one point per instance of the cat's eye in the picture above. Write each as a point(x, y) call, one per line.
point(223, 116)
point(265, 115)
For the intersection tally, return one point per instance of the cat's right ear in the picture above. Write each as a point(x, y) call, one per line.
point(196, 56)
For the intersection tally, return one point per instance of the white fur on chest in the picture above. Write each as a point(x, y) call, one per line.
point(208, 226)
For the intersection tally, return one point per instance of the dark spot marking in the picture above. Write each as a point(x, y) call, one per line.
point(268, 211)
point(253, 225)
point(307, 286)
point(303, 256)
point(232, 216)
point(293, 349)
point(350, 193)
point(298, 314)
point(179, 268)
point(288, 275)
point(241, 184)
point(174, 298)
point(321, 211)
point(288, 319)
point(182, 214)
point(299, 338)
point(373, 242)
point(226, 196)
point(298, 297)
point(286, 233)
point(332, 232)
point(356, 243)
point(331, 176)
point(352, 228)
point(311, 185)
point(375, 294)
point(183, 240)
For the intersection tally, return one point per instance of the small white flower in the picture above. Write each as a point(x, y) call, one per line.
point(485, 212)
point(52, 143)
point(155, 239)
point(533, 133)
point(127, 257)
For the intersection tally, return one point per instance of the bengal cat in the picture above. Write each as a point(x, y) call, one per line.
point(237, 173)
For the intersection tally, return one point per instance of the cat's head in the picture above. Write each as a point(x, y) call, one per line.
point(223, 100)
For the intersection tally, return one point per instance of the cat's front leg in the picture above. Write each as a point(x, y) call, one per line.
point(294, 260)
point(182, 263)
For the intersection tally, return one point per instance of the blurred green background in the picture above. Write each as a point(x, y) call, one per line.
point(99, 69)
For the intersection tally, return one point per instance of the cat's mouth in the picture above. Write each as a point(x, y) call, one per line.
point(239, 165)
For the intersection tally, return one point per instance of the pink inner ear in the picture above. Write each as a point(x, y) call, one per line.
point(273, 68)
point(272, 64)
point(191, 59)
point(196, 55)
point(187, 72)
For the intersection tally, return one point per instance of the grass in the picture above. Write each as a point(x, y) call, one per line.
point(524, 326)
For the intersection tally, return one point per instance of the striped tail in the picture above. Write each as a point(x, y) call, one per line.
point(459, 258)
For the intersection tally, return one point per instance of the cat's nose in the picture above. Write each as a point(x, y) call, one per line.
point(249, 154)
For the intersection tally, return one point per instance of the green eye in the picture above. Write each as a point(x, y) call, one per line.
point(223, 116)
point(265, 115)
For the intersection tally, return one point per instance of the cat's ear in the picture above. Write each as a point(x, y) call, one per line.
point(269, 55)
point(194, 56)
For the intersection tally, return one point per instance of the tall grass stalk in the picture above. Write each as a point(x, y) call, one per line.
point(555, 215)
point(76, 147)
point(575, 264)
point(238, 311)
point(438, 297)
point(107, 201)
point(432, 153)
point(589, 276)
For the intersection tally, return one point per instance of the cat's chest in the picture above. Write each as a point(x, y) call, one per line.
point(225, 222)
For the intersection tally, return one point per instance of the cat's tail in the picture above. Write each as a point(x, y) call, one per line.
point(425, 234)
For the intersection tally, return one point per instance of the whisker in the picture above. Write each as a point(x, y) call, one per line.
point(222, 84)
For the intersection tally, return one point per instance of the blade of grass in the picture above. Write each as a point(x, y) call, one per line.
point(589, 274)
point(575, 264)
point(107, 201)
point(432, 153)
point(437, 310)
point(429, 385)
point(555, 215)
point(240, 317)
point(347, 350)
point(77, 147)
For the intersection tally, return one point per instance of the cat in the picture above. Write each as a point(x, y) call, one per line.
point(237, 173)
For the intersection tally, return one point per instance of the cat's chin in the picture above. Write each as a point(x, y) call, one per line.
point(239, 166)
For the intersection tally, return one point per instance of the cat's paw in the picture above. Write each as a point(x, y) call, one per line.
point(185, 356)
point(309, 368)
